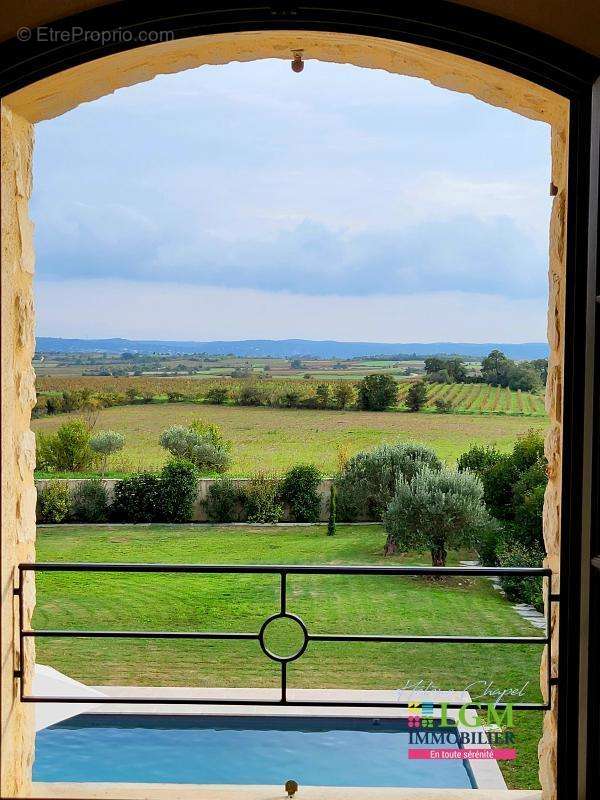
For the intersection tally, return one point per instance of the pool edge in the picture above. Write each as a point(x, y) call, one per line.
point(176, 791)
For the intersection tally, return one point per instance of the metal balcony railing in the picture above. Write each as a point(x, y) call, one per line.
point(282, 571)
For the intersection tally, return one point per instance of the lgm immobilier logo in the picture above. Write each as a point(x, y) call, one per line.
point(482, 732)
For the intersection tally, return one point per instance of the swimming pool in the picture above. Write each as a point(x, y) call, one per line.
point(314, 751)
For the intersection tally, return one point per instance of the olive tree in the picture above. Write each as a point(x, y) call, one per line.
point(105, 443)
point(367, 481)
point(436, 510)
point(200, 444)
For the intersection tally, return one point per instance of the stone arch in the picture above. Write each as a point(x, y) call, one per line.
point(53, 96)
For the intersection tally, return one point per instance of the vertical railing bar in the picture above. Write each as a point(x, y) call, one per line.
point(284, 681)
point(21, 637)
point(283, 591)
point(549, 637)
point(283, 610)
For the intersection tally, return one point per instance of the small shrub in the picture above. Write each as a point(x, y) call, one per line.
point(177, 491)
point(211, 458)
point(209, 431)
point(105, 443)
point(217, 395)
point(528, 450)
point(513, 553)
point(443, 406)
point(416, 397)
point(90, 502)
point(68, 449)
point(251, 396)
point(289, 399)
point(179, 440)
point(261, 499)
point(201, 444)
point(478, 458)
point(223, 501)
point(498, 482)
point(55, 503)
point(43, 453)
point(528, 501)
point(137, 498)
point(299, 490)
point(487, 542)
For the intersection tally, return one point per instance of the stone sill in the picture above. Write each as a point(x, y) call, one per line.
point(177, 791)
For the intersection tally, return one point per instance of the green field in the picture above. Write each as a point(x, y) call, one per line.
point(332, 604)
point(275, 439)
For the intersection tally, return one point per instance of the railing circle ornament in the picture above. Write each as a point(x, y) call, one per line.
point(272, 621)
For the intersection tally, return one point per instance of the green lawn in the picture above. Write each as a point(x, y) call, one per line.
point(333, 604)
point(276, 439)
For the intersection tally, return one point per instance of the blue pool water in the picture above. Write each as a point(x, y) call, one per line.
point(319, 751)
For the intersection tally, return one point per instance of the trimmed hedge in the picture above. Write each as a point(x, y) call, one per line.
point(54, 503)
point(137, 498)
point(224, 501)
point(90, 502)
point(178, 488)
point(299, 491)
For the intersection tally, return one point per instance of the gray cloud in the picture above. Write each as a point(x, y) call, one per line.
point(463, 254)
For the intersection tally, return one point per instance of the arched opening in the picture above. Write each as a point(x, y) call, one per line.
point(57, 93)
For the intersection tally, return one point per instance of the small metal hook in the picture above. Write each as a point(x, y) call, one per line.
point(297, 62)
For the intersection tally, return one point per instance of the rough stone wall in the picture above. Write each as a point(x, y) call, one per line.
point(553, 445)
point(18, 443)
point(57, 94)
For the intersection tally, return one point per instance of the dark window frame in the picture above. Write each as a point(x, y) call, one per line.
point(542, 60)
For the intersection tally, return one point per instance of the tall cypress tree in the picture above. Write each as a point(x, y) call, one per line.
point(332, 509)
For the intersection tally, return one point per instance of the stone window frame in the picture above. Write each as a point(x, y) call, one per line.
point(63, 90)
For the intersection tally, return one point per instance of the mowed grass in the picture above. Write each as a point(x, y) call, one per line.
point(274, 439)
point(332, 604)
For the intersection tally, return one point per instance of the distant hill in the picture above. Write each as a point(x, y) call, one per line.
point(291, 348)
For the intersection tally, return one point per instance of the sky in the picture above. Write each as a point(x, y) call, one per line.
point(248, 201)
